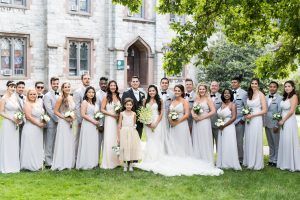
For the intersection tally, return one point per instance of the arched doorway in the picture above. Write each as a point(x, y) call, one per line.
point(139, 62)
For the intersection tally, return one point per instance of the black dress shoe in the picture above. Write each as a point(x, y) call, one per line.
point(271, 164)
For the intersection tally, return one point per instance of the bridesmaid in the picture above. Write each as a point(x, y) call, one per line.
point(179, 141)
point(110, 159)
point(9, 135)
point(32, 152)
point(227, 148)
point(289, 149)
point(64, 148)
point(253, 147)
point(202, 132)
point(88, 154)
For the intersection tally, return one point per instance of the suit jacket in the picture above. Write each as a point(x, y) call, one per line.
point(21, 101)
point(191, 99)
point(49, 103)
point(240, 101)
point(136, 104)
point(99, 97)
point(217, 103)
point(167, 99)
point(78, 98)
point(273, 107)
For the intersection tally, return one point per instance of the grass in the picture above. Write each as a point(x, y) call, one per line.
point(269, 183)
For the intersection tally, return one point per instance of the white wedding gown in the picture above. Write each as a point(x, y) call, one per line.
point(179, 160)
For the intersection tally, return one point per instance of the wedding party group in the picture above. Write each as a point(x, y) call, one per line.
point(86, 129)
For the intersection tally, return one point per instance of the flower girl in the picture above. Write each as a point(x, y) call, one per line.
point(128, 138)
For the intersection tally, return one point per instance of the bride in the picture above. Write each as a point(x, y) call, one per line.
point(179, 158)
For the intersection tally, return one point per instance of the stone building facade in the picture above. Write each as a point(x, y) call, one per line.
point(66, 38)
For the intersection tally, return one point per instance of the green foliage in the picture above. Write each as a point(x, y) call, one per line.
point(269, 183)
point(228, 60)
point(133, 5)
point(254, 22)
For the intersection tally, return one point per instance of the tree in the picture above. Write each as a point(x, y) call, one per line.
point(256, 22)
point(229, 60)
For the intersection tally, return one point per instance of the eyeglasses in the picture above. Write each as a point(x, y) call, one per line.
point(40, 87)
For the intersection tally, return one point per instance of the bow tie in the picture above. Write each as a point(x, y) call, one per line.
point(234, 92)
point(212, 95)
point(187, 94)
point(162, 93)
point(271, 96)
point(56, 93)
point(21, 96)
point(40, 97)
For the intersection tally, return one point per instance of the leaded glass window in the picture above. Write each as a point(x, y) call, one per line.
point(81, 6)
point(79, 58)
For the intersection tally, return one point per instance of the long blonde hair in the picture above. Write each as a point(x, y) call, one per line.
point(197, 89)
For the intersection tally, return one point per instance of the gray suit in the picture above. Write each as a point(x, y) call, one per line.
point(78, 98)
point(100, 95)
point(240, 100)
point(191, 100)
point(270, 124)
point(49, 103)
point(21, 102)
point(167, 99)
point(217, 103)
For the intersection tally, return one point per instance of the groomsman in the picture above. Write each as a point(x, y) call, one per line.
point(137, 97)
point(240, 99)
point(40, 87)
point(21, 101)
point(100, 95)
point(166, 94)
point(272, 131)
point(216, 97)
point(190, 96)
point(50, 99)
point(78, 98)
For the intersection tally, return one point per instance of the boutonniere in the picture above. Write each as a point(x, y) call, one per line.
point(274, 98)
point(167, 95)
point(237, 94)
point(142, 95)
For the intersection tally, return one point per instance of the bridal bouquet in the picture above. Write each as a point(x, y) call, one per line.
point(145, 114)
point(45, 118)
point(117, 108)
point(116, 150)
point(19, 116)
point(70, 114)
point(173, 115)
point(198, 109)
point(246, 111)
point(98, 116)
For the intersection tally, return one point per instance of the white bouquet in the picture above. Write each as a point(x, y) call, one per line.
point(45, 118)
point(116, 150)
point(20, 117)
point(220, 122)
point(173, 115)
point(277, 116)
point(70, 114)
point(98, 115)
point(246, 111)
point(117, 108)
point(198, 109)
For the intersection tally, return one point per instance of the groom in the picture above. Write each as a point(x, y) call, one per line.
point(137, 97)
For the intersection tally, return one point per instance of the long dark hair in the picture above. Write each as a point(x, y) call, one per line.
point(250, 90)
point(181, 89)
point(156, 97)
point(86, 91)
point(231, 95)
point(285, 94)
point(64, 96)
point(109, 95)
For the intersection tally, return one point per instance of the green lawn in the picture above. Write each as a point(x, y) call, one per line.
point(269, 183)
